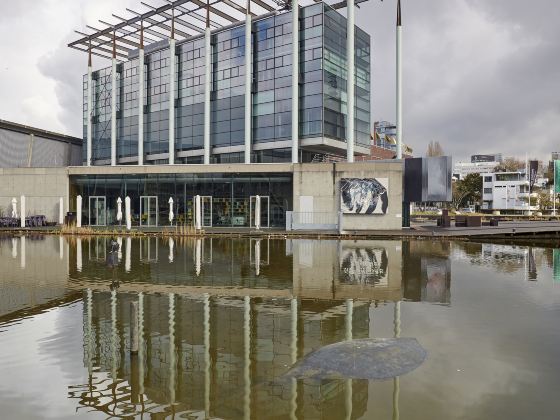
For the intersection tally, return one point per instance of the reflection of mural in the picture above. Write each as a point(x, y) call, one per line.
point(364, 196)
point(364, 266)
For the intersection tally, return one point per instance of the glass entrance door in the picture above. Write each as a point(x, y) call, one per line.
point(148, 211)
point(206, 203)
point(265, 210)
point(97, 211)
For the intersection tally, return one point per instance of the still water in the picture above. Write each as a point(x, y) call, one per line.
point(222, 320)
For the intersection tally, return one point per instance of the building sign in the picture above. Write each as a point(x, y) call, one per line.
point(364, 196)
point(533, 172)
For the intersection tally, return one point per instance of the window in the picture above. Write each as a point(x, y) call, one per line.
point(487, 179)
point(487, 190)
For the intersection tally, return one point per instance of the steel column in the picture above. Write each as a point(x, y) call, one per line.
point(207, 87)
point(350, 137)
point(295, 81)
point(171, 101)
point(248, 83)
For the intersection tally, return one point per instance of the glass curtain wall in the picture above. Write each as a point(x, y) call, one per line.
point(228, 202)
point(335, 77)
point(189, 114)
point(322, 91)
point(127, 118)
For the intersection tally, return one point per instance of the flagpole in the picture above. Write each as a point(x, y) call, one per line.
point(554, 190)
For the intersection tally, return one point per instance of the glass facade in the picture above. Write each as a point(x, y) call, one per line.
point(228, 199)
point(322, 92)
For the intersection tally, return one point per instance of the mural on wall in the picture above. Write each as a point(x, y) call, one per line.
point(364, 196)
point(367, 266)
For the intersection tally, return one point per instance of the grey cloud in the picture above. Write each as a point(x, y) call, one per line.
point(473, 93)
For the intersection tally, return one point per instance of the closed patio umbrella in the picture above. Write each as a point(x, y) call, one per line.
point(171, 215)
point(119, 209)
point(14, 207)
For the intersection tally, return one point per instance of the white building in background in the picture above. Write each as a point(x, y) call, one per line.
point(462, 169)
point(506, 191)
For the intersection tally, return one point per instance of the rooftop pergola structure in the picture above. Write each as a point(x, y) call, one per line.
point(172, 21)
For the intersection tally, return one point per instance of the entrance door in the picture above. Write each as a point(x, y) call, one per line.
point(206, 203)
point(97, 211)
point(148, 211)
point(265, 210)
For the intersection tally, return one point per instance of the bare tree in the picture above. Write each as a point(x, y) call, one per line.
point(434, 149)
point(510, 164)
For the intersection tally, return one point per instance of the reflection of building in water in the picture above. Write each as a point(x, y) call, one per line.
point(25, 284)
point(427, 271)
point(341, 269)
point(217, 356)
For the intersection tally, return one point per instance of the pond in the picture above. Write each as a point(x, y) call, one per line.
point(221, 321)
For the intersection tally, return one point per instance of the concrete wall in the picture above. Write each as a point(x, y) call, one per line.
point(322, 182)
point(42, 188)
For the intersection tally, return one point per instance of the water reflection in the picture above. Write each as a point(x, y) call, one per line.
point(221, 320)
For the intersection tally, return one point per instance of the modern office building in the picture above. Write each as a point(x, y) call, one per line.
point(206, 100)
point(230, 105)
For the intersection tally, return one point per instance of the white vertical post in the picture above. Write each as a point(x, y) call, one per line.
point(141, 106)
point(171, 101)
point(350, 112)
point(79, 211)
point(113, 111)
point(258, 212)
point(207, 87)
point(248, 83)
point(61, 211)
point(197, 213)
point(22, 211)
point(127, 212)
point(295, 81)
point(399, 82)
point(89, 112)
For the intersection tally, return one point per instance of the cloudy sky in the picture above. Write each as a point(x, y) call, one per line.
point(480, 76)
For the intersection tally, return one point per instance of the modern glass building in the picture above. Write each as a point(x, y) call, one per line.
point(172, 104)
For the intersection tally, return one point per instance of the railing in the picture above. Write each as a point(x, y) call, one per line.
point(312, 221)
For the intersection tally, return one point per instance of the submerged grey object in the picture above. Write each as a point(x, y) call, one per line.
point(374, 358)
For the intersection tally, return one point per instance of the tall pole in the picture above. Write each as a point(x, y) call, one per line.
point(114, 103)
point(248, 83)
point(172, 90)
point(141, 96)
point(207, 85)
point(399, 81)
point(350, 82)
point(89, 110)
point(295, 81)
point(554, 191)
